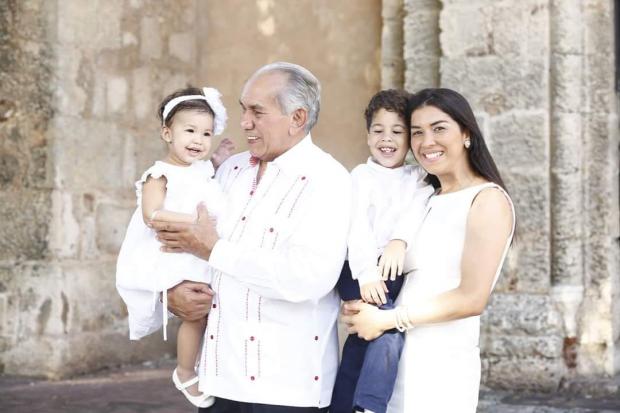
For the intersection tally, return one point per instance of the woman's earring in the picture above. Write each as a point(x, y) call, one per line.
point(467, 143)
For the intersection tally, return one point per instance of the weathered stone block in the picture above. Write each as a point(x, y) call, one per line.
point(521, 29)
point(567, 82)
point(531, 373)
point(566, 28)
point(93, 25)
point(520, 140)
point(116, 94)
point(496, 85)
point(143, 105)
point(25, 224)
point(530, 195)
point(470, 39)
point(70, 95)
point(90, 147)
point(567, 142)
point(527, 266)
point(599, 83)
point(151, 43)
point(112, 223)
point(515, 346)
point(514, 314)
point(598, 25)
point(183, 47)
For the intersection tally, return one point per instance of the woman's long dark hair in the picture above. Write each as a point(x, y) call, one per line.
point(456, 106)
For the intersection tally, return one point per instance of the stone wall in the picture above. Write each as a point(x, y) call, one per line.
point(540, 77)
point(80, 82)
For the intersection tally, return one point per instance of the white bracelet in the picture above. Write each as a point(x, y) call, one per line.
point(402, 318)
point(153, 215)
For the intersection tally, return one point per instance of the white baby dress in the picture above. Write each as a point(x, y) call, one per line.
point(142, 270)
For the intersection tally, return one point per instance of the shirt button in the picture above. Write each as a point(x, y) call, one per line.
point(316, 378)
point(316, 338)
point(251, 338)
point(242, 218)
point(270, 229)
point(236, 167)
point(303, 178)
point(252, 378)
point(211, 336)
point(214, 306)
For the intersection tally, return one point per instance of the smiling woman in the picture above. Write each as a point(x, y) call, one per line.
point(452, 264)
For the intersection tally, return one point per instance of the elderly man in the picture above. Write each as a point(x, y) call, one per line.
point(271, 340)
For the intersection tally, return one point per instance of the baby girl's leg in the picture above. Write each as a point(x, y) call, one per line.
point(188, 346)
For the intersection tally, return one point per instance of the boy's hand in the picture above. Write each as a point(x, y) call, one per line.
point(223, 151)
point(392, 261)
point(374, 292)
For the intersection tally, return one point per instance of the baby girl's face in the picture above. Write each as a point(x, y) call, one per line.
point(188, 137)
point(388, 139)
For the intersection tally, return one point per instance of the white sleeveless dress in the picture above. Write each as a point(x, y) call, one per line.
point(142, 270)
point(439, 370)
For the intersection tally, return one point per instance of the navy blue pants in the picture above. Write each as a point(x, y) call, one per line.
point(367, 372)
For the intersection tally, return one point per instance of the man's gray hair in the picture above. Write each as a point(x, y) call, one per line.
point(302, 90)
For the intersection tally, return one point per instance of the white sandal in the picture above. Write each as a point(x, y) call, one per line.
point(203, 400)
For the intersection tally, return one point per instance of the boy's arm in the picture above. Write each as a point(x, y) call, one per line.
point(153, 195)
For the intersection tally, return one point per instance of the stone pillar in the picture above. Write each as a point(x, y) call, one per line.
point(599, 323)
point(567, 164)
point(421, 38)
point(392, 63)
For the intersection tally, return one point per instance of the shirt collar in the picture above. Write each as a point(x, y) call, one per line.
point(383, 170)
point(296, 156)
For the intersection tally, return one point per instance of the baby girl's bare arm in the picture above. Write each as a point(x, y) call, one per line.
point(153, 195)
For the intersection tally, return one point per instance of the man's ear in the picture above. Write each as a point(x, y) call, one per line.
point(166, 135)
point(298, 120)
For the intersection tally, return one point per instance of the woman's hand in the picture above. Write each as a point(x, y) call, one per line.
point(366, 320)
point(374, 292)
point(392, 260)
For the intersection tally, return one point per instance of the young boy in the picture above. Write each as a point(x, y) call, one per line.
point(382, 189)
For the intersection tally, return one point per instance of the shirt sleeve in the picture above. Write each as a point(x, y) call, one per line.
point(408, 224)
point(307, 264)
point(361, 241)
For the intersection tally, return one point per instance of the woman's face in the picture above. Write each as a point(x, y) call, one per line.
point(437, 141)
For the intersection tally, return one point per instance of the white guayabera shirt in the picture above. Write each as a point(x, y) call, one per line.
point(271, 336)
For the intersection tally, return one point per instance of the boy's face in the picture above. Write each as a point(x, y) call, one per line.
point(388, 139)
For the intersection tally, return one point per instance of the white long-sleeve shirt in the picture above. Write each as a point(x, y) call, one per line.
point(271, 335)
point(381, 197)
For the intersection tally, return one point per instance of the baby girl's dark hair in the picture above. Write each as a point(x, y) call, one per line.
point(392, 100)
point(200, 105)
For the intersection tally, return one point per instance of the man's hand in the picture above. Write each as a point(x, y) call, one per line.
point(198, 238)
point(190, 300)
point(223, 151)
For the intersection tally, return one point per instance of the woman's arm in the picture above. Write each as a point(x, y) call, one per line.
point(153, 195)
point(489, 225)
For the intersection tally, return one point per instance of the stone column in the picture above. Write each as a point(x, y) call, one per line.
point(566, 63)
point(599, 317)
point(392, 63)
point(421, 39)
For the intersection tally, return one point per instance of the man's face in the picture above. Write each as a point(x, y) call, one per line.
point(267, 129)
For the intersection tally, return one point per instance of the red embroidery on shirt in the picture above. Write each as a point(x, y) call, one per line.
point(219, 319)
point(290, 212)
